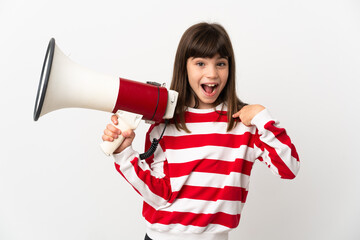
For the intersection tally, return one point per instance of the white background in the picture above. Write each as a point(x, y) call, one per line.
point(300, 58)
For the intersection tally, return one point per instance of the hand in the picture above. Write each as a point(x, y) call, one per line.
point(111, 132)
point(247, 113)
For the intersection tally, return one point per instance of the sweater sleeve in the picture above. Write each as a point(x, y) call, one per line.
point(148, 177)
point(273, 146)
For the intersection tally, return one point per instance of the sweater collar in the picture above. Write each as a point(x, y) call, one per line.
point(219, 107)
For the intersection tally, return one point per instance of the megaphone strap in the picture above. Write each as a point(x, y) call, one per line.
point(154, 145)
point(157, 103)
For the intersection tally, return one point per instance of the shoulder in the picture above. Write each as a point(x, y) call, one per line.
point(156, 129)
point(153, 128)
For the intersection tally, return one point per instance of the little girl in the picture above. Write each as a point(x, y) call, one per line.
point(195, 184)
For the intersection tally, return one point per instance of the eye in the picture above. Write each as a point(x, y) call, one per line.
point(200, 64)
point(222, 64)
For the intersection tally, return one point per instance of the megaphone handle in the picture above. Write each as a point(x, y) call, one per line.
point(109, 147)
point(126, 121)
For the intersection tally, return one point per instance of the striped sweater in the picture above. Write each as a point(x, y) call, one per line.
point(195, 185)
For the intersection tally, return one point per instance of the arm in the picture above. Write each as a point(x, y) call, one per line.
point(148, 177)
point(272, 145)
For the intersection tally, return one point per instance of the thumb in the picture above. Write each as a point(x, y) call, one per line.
point(128, 133)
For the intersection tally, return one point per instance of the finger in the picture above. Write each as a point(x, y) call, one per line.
point(107, 138)
point(114, 119)
point(236, 115)
point(109, 133)
point(113, 128)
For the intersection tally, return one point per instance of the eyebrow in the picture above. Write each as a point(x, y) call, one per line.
point(218, 58)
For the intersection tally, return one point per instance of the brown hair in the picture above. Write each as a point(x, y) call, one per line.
point(204, 40)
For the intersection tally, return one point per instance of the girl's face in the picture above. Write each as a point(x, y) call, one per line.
point(207, 78)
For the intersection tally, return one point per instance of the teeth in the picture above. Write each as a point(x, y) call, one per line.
point(210, 85)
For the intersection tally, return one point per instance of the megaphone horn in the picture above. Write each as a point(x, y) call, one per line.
point(65, 84)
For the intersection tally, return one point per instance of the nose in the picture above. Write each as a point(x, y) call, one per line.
point(212, 71)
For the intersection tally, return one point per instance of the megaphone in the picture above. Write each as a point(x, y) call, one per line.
point(66, 84)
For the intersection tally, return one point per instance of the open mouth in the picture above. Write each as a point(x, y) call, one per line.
point(209, 88)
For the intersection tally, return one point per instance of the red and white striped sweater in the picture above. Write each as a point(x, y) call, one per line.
point(195, 185)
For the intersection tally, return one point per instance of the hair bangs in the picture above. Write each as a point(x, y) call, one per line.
point(207, 44)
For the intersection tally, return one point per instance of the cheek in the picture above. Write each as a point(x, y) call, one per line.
point(191, 81)
point(226, 74)
point(224, 77)
point(224, 80)
point(223, 86)
point(193, 77)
